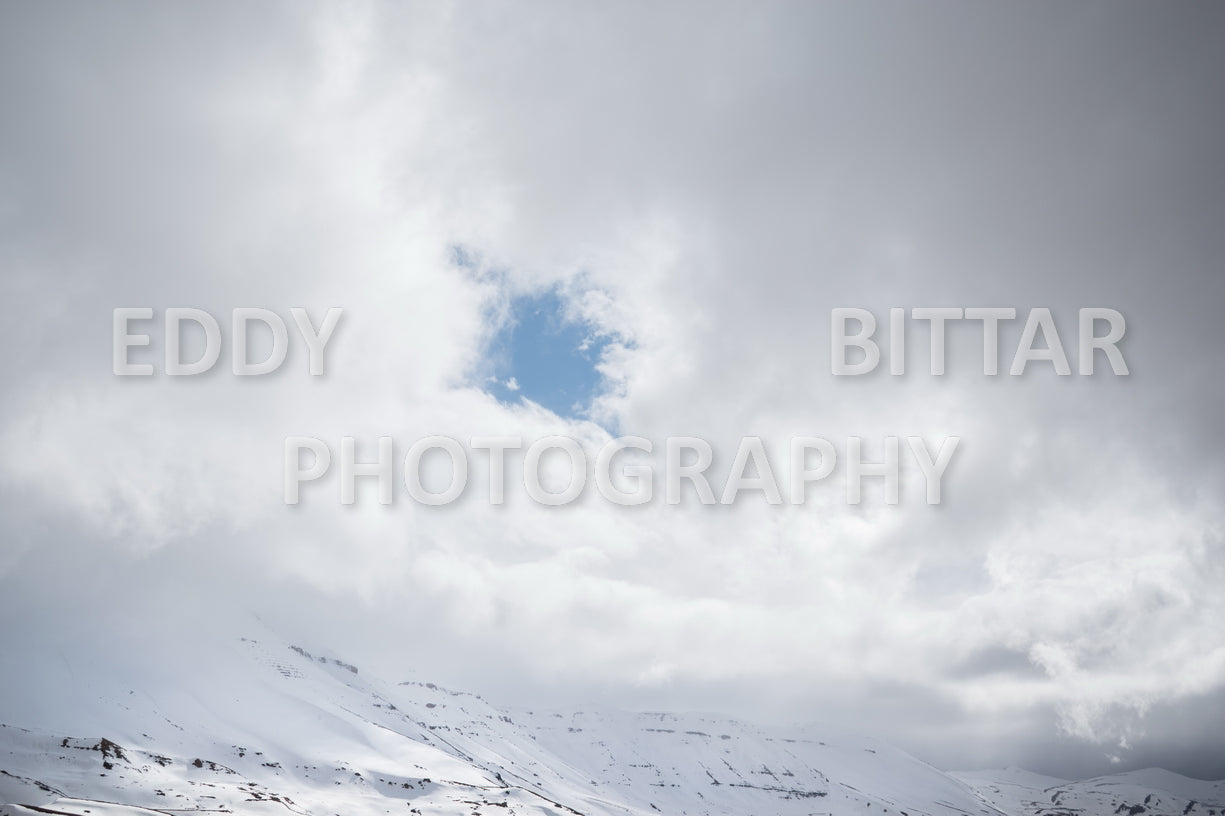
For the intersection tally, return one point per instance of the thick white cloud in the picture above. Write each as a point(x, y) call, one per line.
point(705, 184)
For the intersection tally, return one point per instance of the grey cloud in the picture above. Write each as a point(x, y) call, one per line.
point(725, 176)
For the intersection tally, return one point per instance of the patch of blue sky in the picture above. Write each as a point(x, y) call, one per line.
point(547, 355)
point(542, 351)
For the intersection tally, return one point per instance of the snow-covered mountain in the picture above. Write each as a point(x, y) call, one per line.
point(265, 726)
point(1152, 791)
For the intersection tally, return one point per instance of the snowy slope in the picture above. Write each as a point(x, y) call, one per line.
point(259, 725)
point(1151, 792)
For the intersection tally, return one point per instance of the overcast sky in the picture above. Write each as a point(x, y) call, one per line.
point(685, 191)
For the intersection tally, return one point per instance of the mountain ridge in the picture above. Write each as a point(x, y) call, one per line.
point(268, 726)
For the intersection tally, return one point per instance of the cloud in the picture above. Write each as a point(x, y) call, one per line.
point(700, 187)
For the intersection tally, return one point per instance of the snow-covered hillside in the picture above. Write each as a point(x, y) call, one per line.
point(1151, 792)
point(265, 726)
